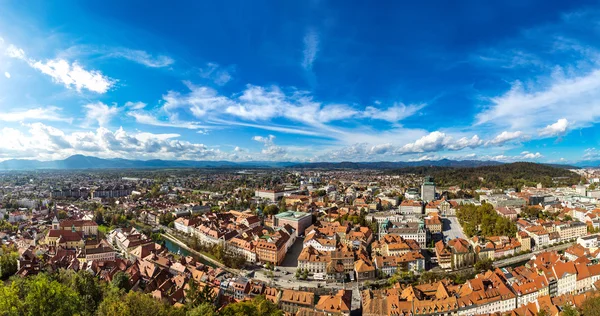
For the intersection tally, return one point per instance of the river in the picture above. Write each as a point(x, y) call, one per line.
point(175, 248)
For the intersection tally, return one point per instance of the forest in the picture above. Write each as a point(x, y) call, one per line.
point(513, 175)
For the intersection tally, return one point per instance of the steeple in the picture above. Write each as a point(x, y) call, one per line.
point(55, 223)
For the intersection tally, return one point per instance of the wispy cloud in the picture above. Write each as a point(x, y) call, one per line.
point(311, 49)
point(217, 74)
point(50, 113)
point(149, 119)
point(142, 57)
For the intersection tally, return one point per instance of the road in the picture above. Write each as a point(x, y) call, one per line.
point(527, 256)
point(451, 229)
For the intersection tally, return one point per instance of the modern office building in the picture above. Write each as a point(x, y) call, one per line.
point(428, 189)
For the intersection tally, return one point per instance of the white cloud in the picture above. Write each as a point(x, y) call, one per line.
point(200, 101)
point(425, 157)
point(143, 57)
point(100, 113)
point(434, 141)
point(505, 137)
point(7, 74)
point(45, 142)
point(556, 129)
point(381, 149)
point(15, 52)
point(71, 75)
point(258, 103)
point(50, 113)
point(465, 142)
point(265, 140)
point(530, 155)
point(311, 48)
point(270, 150)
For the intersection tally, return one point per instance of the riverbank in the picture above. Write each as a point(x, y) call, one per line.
point(205, 259)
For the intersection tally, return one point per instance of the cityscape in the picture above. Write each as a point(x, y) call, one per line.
point(299, 158)
point(309, 241)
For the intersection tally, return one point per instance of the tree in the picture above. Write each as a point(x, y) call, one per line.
point(136, 304)
point(543, 312)
point(196, 296)
point(271, 209)
point(99, 218)
point(90, 293)
point(265, 307)
point(591, 306)
point(45, 297)
point(62, 214)
point(204, 309)
point(10, 303)
point(258, 306)
point(121, 280)
point(569, 310)
point(8, 262)
point(483, 265)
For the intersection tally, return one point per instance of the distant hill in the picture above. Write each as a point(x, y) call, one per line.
point(588, 164)
point(395, 165)
point(87, 162)
point(509, 175)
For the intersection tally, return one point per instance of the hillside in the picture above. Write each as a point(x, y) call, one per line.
point(501, 176)
point(396, 164)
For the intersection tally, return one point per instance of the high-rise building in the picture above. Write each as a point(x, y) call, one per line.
point(428, 189)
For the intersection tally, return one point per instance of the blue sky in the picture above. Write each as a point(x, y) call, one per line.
point(300, 81)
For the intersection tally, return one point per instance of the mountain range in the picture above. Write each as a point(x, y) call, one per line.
point(88, 162)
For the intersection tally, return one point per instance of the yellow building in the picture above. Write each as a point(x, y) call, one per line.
point(65, 238)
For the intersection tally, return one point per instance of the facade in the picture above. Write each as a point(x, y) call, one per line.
point(428, 189)
point(457, 254)
point(313, 260)
point(411, 230)
point(242, 248)
point(272, 251)
point(411, 207)
point(69, 239)
point(112, 192)
point(292, 300)
point(100, 254)
point(571, 230)
point(272, 195)
point(539, 235)
point(70, 193)
point(588, 241)
point(87, 227)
